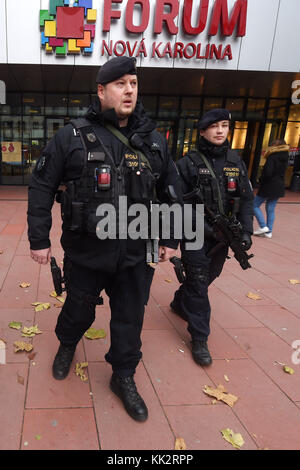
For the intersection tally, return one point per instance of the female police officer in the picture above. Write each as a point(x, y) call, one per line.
point(229, 182)
point(97, 167)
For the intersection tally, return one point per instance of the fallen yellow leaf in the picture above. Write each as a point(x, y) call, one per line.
point(22, 346)
point(226, 378)
point(39, 306)
point(294, 281)
point(168, 280)
point(92, 333)
point(220, 394)
point(235, 439)
point(31, 331)
point(53, 294)
point(180, 444)
point(17, 325)
point(60, 299)
point(25, 284)
point(288, 370)
point(79, 370)
point(253, 296)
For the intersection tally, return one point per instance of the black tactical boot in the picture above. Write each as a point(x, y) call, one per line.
point(62, 361)
point(200, 352)
point(175, 307)
point(125, 389)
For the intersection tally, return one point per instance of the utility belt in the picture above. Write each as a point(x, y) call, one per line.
point(103, 181)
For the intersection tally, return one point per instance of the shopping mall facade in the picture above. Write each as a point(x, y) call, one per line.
point(192, 55)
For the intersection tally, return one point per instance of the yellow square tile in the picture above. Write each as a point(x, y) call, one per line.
point(50, 29)
point(72, 47)
point(91, 15)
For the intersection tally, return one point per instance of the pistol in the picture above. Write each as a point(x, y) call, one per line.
point(57, 277)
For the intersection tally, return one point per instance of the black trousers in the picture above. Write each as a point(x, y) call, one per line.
point(192, 296)
point(126, 290)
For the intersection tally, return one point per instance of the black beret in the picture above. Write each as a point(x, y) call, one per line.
point(212, 116)
point(116, 68)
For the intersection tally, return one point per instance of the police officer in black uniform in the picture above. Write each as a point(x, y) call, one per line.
point(96, 165)
point(202, 266)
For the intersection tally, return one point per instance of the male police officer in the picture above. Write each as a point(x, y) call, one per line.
point(97, 166)
point(226, 186)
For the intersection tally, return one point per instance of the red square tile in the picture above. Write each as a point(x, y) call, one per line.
point(70, 22)
point(60, 429)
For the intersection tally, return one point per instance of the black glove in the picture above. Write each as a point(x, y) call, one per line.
point(246, 241)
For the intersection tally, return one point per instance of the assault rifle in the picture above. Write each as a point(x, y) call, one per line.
point(231, 231)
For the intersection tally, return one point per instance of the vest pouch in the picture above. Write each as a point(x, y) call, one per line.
point(141, 186)
point(78, 216)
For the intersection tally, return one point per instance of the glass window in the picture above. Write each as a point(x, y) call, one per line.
point(56, 105)
point(168, 106)
point(78, 105)
point(239, 135)
point(277, 109)
point(294, 112)
point(149, 103)
point(211, 103)
point(33, 103)
point(53, 125)
point(33, 127)
point(236, 108)
point(13, 104)
point(256, 108)
point(190, 106)
point(292, 134)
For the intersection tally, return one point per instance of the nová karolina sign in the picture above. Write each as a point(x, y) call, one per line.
point(69, 27)
point(220, 20)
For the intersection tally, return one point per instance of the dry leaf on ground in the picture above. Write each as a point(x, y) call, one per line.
point(180, 444)
point(220, 394)
point(79, 370)
point(39, 306)
point(235, 439)
point(253, 296)
point(294, 281)
point(31, 331)
point(17, 325)
point(288, 370)
point(22, 346)
point(168, 280)
point(93, 333)
point(25, 284)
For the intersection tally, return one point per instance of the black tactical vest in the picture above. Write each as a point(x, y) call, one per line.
point(103, 181)
point(231, 182)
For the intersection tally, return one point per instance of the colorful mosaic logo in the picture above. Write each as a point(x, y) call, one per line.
point(68, 27)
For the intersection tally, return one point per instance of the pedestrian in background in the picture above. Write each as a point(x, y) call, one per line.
point(271, 187)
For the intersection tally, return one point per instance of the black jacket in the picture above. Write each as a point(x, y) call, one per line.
point(272, 179)
point(223, 161)
point(62, 161)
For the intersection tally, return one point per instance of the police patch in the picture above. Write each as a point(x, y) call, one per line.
point(231, 172)
point(131, 160)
